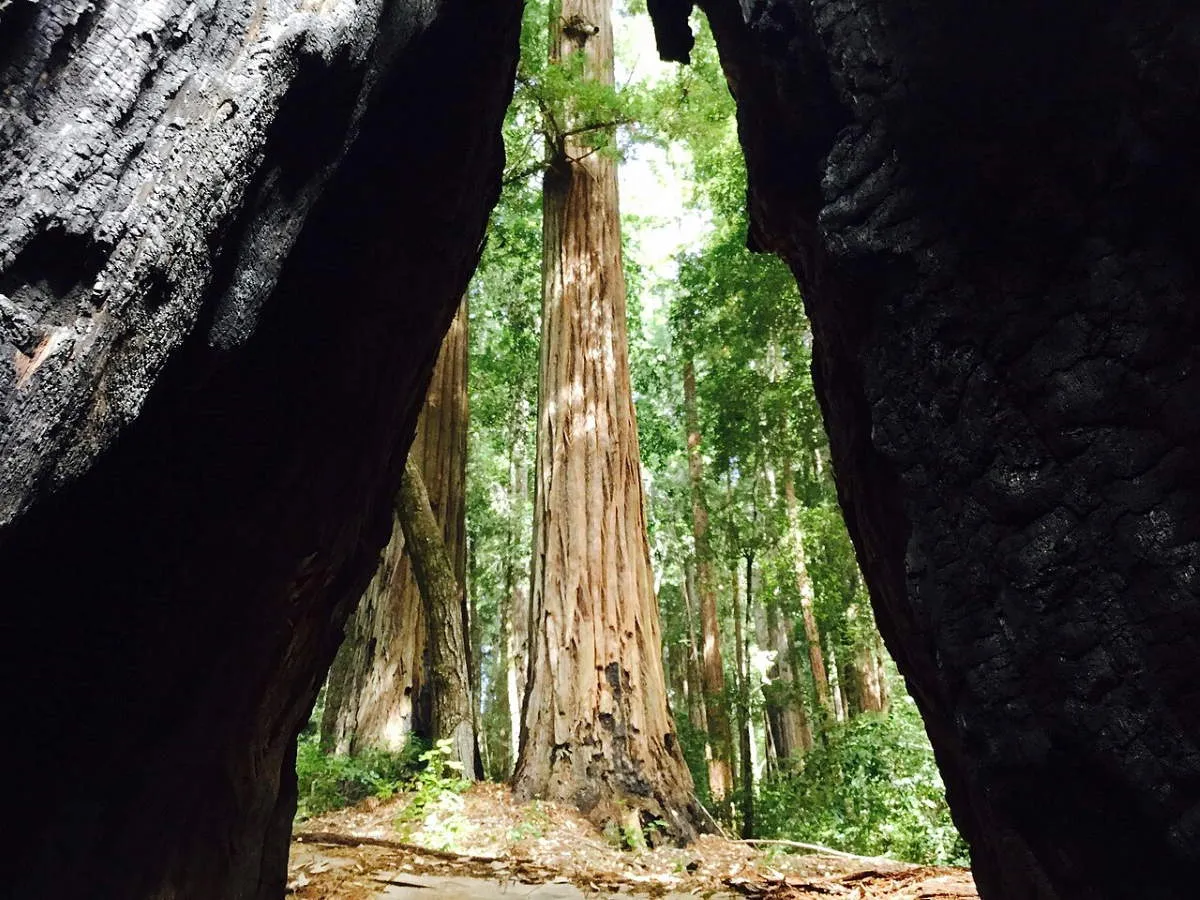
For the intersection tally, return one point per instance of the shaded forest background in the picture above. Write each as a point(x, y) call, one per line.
point(792, 718)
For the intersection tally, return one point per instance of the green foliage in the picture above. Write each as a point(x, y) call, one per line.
point(533, 825)
point(327, 782)
point(872, 788)
point(440, 777)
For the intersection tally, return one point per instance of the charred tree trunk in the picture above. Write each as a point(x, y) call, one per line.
point(720, 766)
point(452, 708)
point(232, 237)
point(597, 729)
point(991, 211)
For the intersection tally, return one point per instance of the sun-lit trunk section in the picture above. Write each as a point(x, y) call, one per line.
point(597, 731)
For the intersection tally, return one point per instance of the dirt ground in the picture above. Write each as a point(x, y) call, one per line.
point(483, 844)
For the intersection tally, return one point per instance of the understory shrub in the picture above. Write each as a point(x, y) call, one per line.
point(871, 788)
point(328, 782)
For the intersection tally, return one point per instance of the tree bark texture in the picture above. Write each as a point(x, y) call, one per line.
point(231, 237)
point(516, 623)
point(804, 590)
point(991, 210)
point(597, 731)
point(375, 686)
point(720, 765)
point(793, 733)
point(696, 709)
point(745, 737)
point(452, 707)
point(378, 694)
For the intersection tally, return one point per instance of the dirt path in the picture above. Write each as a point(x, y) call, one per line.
point(483, 845)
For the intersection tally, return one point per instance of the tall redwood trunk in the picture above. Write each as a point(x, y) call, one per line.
point(373, 690)
point(745, 738)
point(597, 729)
point(804, 588)
point(720, 771)
point(378, 692)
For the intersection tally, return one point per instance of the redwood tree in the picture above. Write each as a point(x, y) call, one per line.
point(720, 770)
point(597, 731)
point(382, 687)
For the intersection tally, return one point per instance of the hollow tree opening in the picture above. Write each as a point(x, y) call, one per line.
point(989, 211)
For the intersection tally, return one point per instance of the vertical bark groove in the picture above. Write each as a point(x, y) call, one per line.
point(597, 731)
point(720, 765)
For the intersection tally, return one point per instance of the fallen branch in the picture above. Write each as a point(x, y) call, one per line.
point(817, 848)
point(350, 840)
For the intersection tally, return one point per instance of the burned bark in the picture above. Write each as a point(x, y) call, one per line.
point(232, 236)
point(990, 210)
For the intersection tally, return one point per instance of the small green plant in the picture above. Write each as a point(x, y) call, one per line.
point(440, 777)
point(533, 824)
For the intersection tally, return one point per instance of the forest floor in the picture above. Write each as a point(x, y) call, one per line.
point(483, 844)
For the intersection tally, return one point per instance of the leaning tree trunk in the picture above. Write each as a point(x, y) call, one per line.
point(379, 694)
point(231, 236)
point(716, 704)
point(745, 737)
point(991, 210)
point(452, 708)
point(597, 731)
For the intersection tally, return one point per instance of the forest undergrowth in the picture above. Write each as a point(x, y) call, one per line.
point(480, 840)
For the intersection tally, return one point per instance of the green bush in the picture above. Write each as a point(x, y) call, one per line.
point(328, 782)
point(872, 788)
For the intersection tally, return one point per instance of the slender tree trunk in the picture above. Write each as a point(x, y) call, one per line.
point(453, 714)
point(516, 625)
point(697, 714)
point(745, 739)
point(881, 679)
point(597, 729)
point(793, 734)
point(805, 589)
point(836, 691)
point(720, 771)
